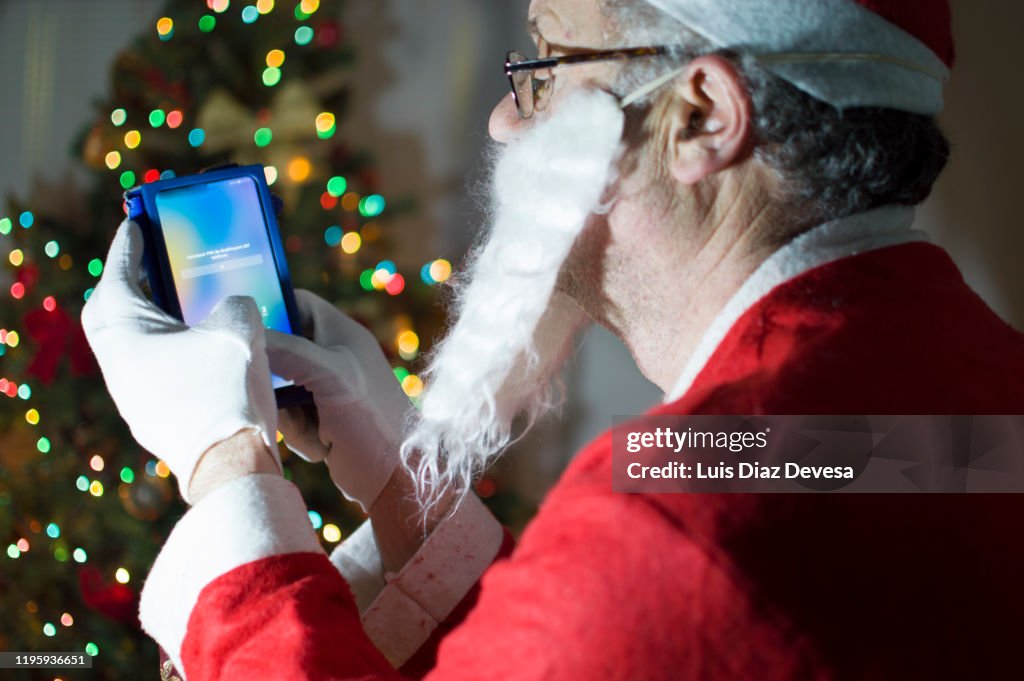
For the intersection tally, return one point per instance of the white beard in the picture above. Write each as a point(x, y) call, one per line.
point(513, 331)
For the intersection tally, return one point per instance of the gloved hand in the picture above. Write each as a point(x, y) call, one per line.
point(180, 389)
point(360, 407)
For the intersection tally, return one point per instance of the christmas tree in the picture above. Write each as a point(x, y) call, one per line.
point(83, 510)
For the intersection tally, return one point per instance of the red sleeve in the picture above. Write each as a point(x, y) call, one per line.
point(602, 587)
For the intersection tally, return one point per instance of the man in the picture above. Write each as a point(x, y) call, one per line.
point(736, 205)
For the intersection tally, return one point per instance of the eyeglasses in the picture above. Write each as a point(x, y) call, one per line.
point(532, 93)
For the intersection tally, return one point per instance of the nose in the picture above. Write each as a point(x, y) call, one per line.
point(505, 122)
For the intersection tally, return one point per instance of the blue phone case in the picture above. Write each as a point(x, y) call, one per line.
point(141, 207)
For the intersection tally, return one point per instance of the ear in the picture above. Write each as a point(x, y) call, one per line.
point(710, 127)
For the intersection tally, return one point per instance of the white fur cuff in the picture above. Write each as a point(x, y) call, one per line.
point(245, 520)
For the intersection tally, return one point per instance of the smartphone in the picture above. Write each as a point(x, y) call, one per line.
point(214, 235)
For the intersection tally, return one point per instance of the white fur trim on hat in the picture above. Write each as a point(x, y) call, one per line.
point(834, 50)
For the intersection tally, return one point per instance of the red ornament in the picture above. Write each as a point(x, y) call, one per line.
point(115, 601)
point(56, 336)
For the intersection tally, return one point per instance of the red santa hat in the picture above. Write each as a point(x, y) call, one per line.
point(849, 53)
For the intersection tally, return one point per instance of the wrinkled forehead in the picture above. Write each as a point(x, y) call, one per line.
point(570, 23)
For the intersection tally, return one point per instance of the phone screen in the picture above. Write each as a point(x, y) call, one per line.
point(218, 246)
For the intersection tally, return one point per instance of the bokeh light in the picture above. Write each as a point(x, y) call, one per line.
point(32, 416)
point(174, 119)
point(275, 58)
point(67, 620)
point(162, 469)
point(270, 172)
point(299, 169)
point(337, 185)
point(49, 303)
point(264, 6)
point(351, 242)
point(51, 249)
point(196, 137)
point(43, 445)
point(303, 35)
point(118, 117)
point(127, 179)
point(113, 159)
point(332, 533)
point(263, 136)
point(52, 531)
point(79, 555)
point(96, 463)
point(408, 344)
point(127, 475)
point(5, 226)
point(412, 385)
point(95, 267)
point(16, 257)
point(218, 6)
point(17, 292)
point(91, 649)
point(250, 14)
point(271, 76)
point(332, 235)
point(165, 28)
point(316, 519)
point(207, 23)
point(132, 139)
point(371, 206)
point(122, 576)
point(157, 117)
point(96, 488)
point(26, 219)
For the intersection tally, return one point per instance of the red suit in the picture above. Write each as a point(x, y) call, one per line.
point(627, 587)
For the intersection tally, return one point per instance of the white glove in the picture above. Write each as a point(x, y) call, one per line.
point(360, 407)
point(180, 389)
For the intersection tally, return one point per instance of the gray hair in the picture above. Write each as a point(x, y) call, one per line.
point(829, 162)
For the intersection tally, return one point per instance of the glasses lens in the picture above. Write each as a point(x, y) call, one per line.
point(522, 84)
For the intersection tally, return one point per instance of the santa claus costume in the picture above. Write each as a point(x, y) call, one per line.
point(860, 315)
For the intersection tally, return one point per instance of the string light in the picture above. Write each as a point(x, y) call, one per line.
point(275, 58)
point(13, 552)
point(91, 648)
point(157, 117)
point(122, 576)
point(127, 475)
point(337, 185)
point(165, 29)
point(96, 488)
point(440, 270)
point(309, 6)
point(49, 629)
point(24, 392)
point(174, 119)
point(332, 533)
point(250, 14)
point(32, 416)
point(408, 344)
point(49, 303)
point(5, 226)
point(371, 206)
point(16, 257)
point(52, 531)
point(79, 555)
point(118, 117)
point(351, 242)
point(43, 445)
point(263, 136)
point(332, 235)
point(395, 285)
point(127, 179)
point(196, 137)
point(162, 469)
point(325, 125)
point(96, 463)
point(218, 6)
point(271, 77)
point(264, 6)
point(67, 620)
point(270, 172)
point(23, 545)
point(26, 219)
point(132, 139)
point(299, 169)
point(52, 248)
point(412, 385)
point(17, 292)
point(316, 519)
point(303, 35)
point(82, 483)
point(113, 159)
point(95, 267)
